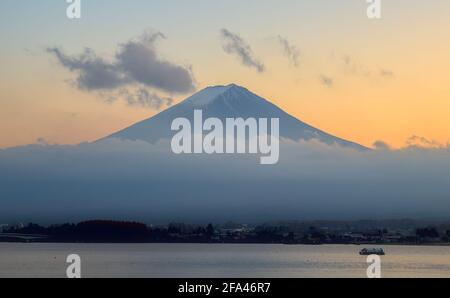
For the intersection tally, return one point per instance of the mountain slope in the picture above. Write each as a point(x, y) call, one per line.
point(223, 102)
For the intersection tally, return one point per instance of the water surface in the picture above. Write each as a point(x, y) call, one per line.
point(219, 260)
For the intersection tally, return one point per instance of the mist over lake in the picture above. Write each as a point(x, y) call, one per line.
point(142, 181)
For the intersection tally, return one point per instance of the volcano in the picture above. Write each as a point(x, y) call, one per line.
point(231, 101)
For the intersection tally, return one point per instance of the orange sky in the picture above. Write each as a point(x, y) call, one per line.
point(412, 47)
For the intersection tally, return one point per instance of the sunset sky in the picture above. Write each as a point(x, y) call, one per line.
point(323, 61)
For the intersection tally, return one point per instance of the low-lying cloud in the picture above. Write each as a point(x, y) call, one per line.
point(141, 181)
point(422, 142)
point(381, 145)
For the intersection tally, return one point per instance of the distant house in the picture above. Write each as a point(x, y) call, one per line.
point(394, 238)
point(354, 237)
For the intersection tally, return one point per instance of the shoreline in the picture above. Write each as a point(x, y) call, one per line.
point(236, 243)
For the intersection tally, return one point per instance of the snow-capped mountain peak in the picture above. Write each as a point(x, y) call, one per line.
point(208, 95)
point(231, 101)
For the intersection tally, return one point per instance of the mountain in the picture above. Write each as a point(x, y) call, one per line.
point(223, 102)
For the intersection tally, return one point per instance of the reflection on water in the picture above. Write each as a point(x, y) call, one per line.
point(211, 260)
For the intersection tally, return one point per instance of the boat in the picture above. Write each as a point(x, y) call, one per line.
point(372, 251)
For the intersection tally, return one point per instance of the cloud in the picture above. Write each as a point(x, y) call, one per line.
point(136, 66)
point(142, 181)
point(290, 51)
point(381, 145)
point(235, 45)
point(421, 142)
point(386, 73)
point(145, 98)
point(353, 67)
point(94, 73)
point(42, 141)
point(139, 60)
point(327, 81)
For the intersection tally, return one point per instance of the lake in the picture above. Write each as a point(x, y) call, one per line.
point(219, 260)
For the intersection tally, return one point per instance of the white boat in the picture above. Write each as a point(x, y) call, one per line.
point(372, 251)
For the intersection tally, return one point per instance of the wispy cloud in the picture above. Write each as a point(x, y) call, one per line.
point(144, 98)
point(353, 67)
point(326, 80)
point(235, 45)
point(386, 73)
point(290, 51)
point(422, 142)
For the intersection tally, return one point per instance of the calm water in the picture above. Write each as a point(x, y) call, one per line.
point(204, 260)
